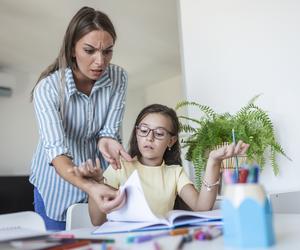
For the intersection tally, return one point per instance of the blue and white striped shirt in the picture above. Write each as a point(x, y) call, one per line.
point(85, 120)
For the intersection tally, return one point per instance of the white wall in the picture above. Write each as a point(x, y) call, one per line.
point(135, 101)
point(168, 92)
point(235, 49)
point(18, 133)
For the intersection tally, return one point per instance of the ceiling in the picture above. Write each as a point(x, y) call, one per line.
point(31, 33)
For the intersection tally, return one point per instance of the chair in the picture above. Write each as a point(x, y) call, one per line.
point(27, 219)
point(78, 216)
point(288, 202)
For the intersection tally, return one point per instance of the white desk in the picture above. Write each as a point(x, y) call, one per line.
point(287, 231)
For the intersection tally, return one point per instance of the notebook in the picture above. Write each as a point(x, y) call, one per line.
point(136, 214)
point(11, 233)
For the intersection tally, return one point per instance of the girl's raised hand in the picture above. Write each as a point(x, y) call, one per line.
point(89, 170)
point(228, 151)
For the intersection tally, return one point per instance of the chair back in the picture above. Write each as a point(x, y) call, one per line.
point(78, 216)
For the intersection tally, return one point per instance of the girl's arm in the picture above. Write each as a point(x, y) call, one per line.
point(205, 199)
point(98, 208)
point(98, 216)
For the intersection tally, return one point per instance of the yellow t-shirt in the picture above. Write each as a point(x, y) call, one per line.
point(160, 184)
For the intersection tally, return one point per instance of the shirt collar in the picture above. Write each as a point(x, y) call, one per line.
point(103, 81)
point(139, 163)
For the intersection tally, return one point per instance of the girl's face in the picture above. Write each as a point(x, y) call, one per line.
point(93, 53)
point(153, 138)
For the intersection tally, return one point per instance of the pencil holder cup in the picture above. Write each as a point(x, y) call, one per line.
point(247, 216)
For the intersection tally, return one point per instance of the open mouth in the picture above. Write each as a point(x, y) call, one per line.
point(97, 71)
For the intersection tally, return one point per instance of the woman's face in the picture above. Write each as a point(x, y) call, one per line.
point(93, 53)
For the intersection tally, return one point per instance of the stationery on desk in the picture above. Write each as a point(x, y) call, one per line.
point(136, 215)
point(247, 174)
point(57, 241)
point(51, 244)
point(148, 237)
point(185, 239)
point(245, 207)
point(236, 159)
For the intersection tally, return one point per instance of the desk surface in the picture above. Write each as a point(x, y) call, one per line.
point(287, 231)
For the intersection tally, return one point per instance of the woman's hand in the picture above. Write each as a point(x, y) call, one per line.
point(89, 170)
point(106, 198)
point(111, 151)
point(228, 151)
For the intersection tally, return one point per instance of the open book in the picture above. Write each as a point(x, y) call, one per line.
point(21, 225)
point(136, 215)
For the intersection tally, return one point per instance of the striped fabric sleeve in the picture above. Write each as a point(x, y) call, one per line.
point(115, 114)
point(46, 104)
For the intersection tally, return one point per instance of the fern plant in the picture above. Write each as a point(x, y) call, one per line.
point(251, 124)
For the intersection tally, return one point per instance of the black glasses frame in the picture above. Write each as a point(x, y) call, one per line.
point(153, 131)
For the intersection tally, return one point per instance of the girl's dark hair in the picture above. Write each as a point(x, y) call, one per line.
point(85, 20)
point(172, 156)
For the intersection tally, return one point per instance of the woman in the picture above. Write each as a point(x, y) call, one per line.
point(79, 104)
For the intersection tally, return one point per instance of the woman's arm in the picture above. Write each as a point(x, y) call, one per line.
point(204, 200)
point(109, 138)
point(64, 167)
point(105, 198)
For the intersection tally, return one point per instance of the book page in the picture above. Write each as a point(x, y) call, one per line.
point(136, 208)
point(183, 217)
point(136, 215)
point(121, 227)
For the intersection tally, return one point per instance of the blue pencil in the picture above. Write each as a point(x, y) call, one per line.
point(236, 159)
point(103, 246)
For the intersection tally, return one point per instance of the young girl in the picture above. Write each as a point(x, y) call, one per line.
point(156, 151)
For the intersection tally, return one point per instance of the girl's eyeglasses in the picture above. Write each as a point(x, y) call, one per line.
point(158, 133)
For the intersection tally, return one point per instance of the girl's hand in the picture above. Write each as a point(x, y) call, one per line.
point(89, 170)
point(111, 151)
point(107, 198)
point(228, 151)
